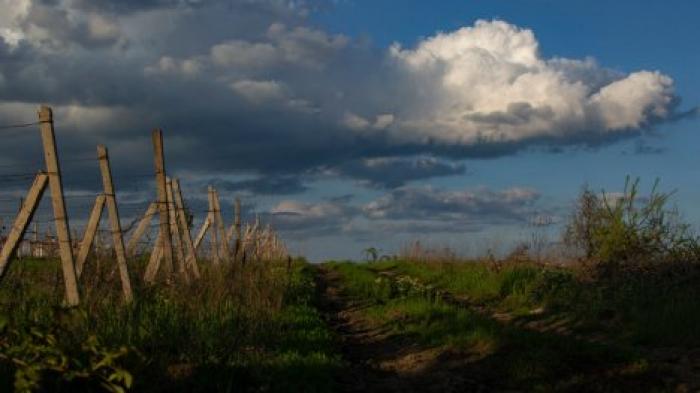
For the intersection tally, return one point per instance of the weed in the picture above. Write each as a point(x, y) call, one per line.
point(238, 328)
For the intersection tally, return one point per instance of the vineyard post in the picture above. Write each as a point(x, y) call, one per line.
point(214, 231)
point(186, 234)
point(230, 233)
point(59, 205)
point(154, 260)
point(141, 229)
point(175, 231)
point(89, 235)
point(22, 221)
point(202, 232)
point(159, 162)
point(255, 237)
point(115, 224)
point(220, 227)
point(237, 224)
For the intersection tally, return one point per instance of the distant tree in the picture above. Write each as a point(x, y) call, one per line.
point(371, 254)
point(587, 216)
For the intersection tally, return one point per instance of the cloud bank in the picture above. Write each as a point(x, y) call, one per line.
point(410, 209)
point(253, 88)
point(259, 79)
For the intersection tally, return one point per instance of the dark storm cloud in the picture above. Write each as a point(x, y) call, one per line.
point(269, 185)
point(410, 210)
point(512, 205)
point(302, 219)
point(129, 6)
point(250, 87)
point(391, 172)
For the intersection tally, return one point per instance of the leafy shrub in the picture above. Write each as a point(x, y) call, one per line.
point(627, 228)
point(38, 360)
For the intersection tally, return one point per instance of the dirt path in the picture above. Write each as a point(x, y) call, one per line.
point(681, 366)
point(378, 363)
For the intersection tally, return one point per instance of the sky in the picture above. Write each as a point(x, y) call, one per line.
point(353, 124)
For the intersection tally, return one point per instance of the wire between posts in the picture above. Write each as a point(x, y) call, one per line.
point(20, 125)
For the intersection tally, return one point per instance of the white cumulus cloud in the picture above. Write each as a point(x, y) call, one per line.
point(489, 82)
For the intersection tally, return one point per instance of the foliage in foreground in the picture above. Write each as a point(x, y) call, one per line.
point(652, 307)
point(496, 354)
point(237, 329)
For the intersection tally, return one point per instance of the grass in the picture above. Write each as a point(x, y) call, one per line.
point(504, 353)
point(237, 329)
point(256, 327)
point(656, 307)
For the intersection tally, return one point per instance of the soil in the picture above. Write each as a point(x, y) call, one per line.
point(376, 362)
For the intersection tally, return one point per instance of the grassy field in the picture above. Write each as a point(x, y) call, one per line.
point(237, 329)
point(657, 306)
point(397, 325)
point(523, 324)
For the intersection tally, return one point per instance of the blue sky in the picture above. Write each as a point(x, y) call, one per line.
point(461, 135)
point(624, 35)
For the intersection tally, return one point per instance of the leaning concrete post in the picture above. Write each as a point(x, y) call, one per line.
point(186, 234)
point(89, 235)
point(53, 169)
point(237, 224)
point(22, 221)
point(141, 229)
point(202, 232)
point(220, 228)
point(214, 228)
point(154, 261)
point(159, 163)
point(175, 231)
point(115, 224)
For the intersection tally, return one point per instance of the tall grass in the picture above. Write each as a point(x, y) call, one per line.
point(636, 274)
point(238, 328)
point(654, 307)
point(502, 356)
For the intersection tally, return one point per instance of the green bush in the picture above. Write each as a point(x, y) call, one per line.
point(628, 228)
point(37, 359)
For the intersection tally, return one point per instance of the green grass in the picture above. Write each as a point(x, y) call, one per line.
point(434, 323)
point(479, 281)
point(505, 353)
point(258, 329)
point(252, 329)
point(650, 308)
point(362, 283)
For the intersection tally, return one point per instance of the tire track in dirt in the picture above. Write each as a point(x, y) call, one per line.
point(376, 362)
point(681, 366)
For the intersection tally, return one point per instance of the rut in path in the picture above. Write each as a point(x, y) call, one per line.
point(377, 363)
